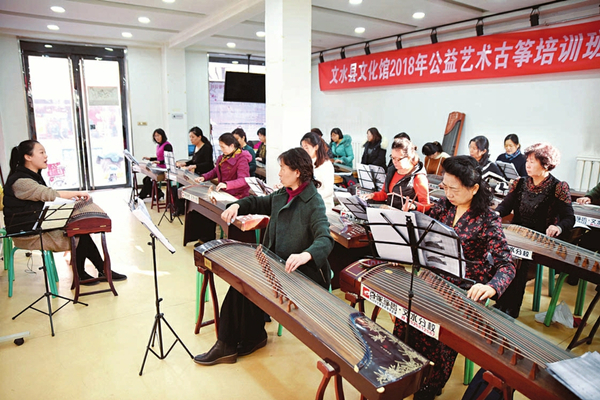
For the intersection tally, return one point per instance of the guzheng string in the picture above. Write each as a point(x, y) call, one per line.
point(490, 326)
point(312, 300)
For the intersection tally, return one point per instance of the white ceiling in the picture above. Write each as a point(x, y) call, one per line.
point(209, 24)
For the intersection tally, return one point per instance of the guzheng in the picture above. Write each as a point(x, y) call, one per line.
point(553, 253)
point(376, 363)
point(454, 126)
point(488, 337)
point(88, 217)
point(350, 235)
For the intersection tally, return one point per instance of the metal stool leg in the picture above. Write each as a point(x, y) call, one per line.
point(554, 300)
point(580, 302)
point(537, 291)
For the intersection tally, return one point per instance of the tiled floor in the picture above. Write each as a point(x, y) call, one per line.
point(97, 351)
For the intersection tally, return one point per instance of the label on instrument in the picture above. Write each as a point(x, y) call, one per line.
point(416, 321)
point(595, 222)
point(188, 196)
point(521, 253)
point(433, 186)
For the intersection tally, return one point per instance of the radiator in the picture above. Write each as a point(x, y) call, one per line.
point(587, 173)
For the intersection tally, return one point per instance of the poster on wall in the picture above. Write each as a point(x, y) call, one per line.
point(535, 51)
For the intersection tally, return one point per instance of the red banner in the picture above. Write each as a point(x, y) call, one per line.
point(538, 51)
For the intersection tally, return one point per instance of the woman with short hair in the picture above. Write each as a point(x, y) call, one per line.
point(434, 156)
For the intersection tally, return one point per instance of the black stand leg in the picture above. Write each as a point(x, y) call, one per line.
point(170, 206)
point(156, 334)
point(47, 295)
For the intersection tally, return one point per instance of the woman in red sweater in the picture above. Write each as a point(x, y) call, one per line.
point(406, 185)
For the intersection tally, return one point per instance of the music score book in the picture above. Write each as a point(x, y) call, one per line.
point(55, 214)
point(138, 208)
point(371, 177)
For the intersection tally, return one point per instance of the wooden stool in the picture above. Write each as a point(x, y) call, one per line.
point(154, 195)
point(207, 279)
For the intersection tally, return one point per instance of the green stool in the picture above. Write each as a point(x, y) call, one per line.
point(9, 264)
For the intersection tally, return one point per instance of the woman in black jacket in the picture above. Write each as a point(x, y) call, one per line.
point(373, 154)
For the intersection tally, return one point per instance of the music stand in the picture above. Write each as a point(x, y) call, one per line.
point(135, 168)
point(371, 177)
point(51, 217)
point(258, 187)
point(140, 211)
point(508, 169)
point(171, 170)
point(417, 239)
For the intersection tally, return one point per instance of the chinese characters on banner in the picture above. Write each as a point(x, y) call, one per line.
point(539, 51)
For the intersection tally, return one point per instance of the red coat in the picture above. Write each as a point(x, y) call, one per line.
point(232, 171)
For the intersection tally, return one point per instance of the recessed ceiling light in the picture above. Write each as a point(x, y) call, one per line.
point(108, 49)
point(57, 9)
point(168, 1)
point(53, 27)
point(261, 34)
point(419, 15)
point(144, 20)
point(231, 45)
point(360, 29)
point(48, 46)
point(355, 2)
point(126, 34)
point(235, 62)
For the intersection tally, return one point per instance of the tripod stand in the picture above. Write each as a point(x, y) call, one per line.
point(156, 333)
point(47, 294)
point(170, 206)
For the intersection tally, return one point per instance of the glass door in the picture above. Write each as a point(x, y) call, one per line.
point(76, 100)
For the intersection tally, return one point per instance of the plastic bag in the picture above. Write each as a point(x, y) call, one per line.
point(562, 315)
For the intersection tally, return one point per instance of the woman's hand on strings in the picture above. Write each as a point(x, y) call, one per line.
point(479, 292)
point(199, 179)
point(222, 186)
point(230, 213)
point(296, 260)
point(553, 231)
point(584, 200)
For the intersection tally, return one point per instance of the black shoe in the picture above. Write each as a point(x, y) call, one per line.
point(221, 353)
point(177, 213)
point(115, 276)
point(160, 195)
point(86, 279)
point(267, 317)
point(244, 349)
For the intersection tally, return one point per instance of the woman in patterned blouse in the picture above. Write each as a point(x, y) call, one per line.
point(467, 209)
point(540, 202)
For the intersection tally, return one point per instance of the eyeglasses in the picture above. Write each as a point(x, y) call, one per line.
point(396, 159)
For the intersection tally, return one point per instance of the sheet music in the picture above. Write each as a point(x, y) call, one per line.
point(141, 213)
point(397, 246)
point(56, 214)
point(170, 161)
point(371, 176)
point(354, 204)
point(258, 187)
point(130, 157)
point(570, 373)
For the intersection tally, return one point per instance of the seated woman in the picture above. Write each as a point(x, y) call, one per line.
point(318, 132)
point(590, 239)
point(466, 208)
point(341, 148)
point(405, 181)
point(324, 172)
point(434, 156)
point(479, 148)
point(160, 138)
point(240, 136)
point(261, 153)
point(298, 232)
point(374, 153)
point(513, 154)
point(233, 166)
point(201, 162)
point(539, 202)
point(24, 195)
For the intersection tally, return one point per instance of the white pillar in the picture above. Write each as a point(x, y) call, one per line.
point(198, 99)
point(288, 81)
point(174, 100)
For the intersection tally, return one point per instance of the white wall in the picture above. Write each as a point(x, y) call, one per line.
point(559, 108)
point(196, 66)
point(13, 111)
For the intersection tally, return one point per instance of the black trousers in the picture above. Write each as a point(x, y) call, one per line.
point(241, 320)
point(204, 227)
point(86, 248)
point(511, 300)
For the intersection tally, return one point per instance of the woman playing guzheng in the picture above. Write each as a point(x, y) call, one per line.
point(466, 209)
point(298, 232)
point(24, 196)
point(540, 202)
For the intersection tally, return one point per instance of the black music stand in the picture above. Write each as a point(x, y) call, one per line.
point(48, 219)
point(425, 243)
point(170, 206)
point(371, 177)
point(141, 213)
point(135, 164)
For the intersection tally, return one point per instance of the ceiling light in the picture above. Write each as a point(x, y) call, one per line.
point(360, 29)
point(419, 15)
point(53, 27)
point(261, 34)
point(108, 49)
point(235, 62)
point(57, 9)
point(354, 2)
point(168, 1)
point(126, 34)
point(144, 20)
point(48, 46)
point(231, 45)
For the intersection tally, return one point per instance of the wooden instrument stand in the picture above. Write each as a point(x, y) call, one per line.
point(329, 369)
point(208, 279)
point(588, 339)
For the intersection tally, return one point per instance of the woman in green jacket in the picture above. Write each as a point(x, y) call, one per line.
point(298, 232)
point(341, 147)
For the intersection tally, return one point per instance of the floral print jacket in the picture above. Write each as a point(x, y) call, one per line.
point(483, 243)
